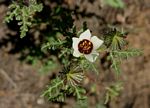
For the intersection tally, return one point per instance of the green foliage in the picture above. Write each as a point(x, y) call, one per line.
point(64, 52)
point(115, 40)
point(125, 54)
point(58, 91)
point(48, 66)
point(115, 3)
point(44, 66)
point(100, 105)
point(113, 91)
point(32, 60)
point(53, 44)
point(86, 65)
point(79, 93)
point(66, 84)
point(118, 55)
point(81, 104)
point(115, 64)
point(54, 92)
point(23, 14)
point(85, 104)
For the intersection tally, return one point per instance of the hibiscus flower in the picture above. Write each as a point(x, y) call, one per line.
point(86, 45)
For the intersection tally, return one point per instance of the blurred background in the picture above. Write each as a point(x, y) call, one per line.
point(20, 83)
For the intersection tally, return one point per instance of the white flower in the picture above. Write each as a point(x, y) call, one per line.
point(86, 45)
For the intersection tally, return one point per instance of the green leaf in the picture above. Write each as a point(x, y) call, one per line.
point(125, 54)
point(65, 52)
point(53, 44)
point(115, 40)
point(113, 91)
point(79, 93)
point(14, 10)
point(115, 3)
point(81, 104)
point(23, 14)
point(116, 57)
point(53, 91)
point(86, 65)
point(115, 64)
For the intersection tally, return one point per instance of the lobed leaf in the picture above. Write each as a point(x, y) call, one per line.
point(23, 14)
point(53, 91)
point(125, 54)
point(115, 40)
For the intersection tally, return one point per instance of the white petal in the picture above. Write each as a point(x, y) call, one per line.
point(96, 42)
point(76, 53)
point(85, 35)
point(75, 43)
point(92, 57)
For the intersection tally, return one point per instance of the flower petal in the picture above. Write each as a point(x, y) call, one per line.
point(85, 35)
point(75, 43)
point(76, 53)
point(92, 57)
point(96, 42)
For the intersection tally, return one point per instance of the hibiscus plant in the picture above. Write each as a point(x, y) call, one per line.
point(70, 51)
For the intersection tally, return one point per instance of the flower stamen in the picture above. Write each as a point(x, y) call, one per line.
point(85, 46)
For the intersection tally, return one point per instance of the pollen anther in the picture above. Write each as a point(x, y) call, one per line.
point(85, 46)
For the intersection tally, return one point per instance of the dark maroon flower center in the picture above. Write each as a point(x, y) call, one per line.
point(85, 46)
